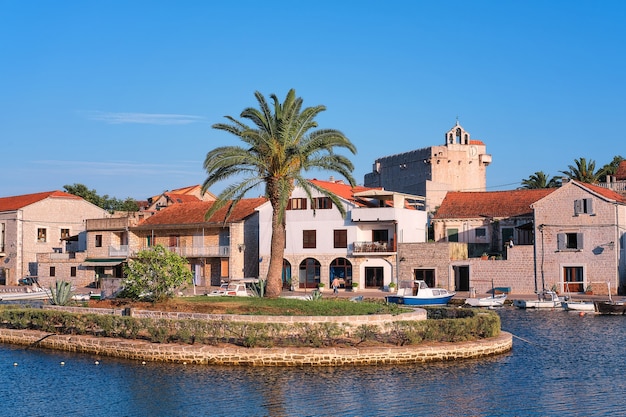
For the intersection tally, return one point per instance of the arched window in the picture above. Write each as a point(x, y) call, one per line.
point(309, 273)
point(341, 268)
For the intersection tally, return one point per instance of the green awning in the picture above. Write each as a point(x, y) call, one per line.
point(103, 262)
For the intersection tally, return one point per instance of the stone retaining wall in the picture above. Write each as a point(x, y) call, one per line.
point(211, 355)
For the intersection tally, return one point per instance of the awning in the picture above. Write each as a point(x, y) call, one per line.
point(103, 262)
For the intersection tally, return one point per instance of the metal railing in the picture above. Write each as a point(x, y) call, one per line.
point(372, 247)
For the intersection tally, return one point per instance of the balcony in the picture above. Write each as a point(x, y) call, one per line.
point(119, 252)
point(197, 251)
point(374, 214)
point(369, 248)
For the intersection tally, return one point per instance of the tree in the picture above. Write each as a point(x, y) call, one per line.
point(108, 203)
point(278, 148)
point(540, 180)
point(611, 168)
point(584, 171)
point(155, 275)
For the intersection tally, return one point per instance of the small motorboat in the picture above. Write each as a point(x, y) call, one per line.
point(610, 307)
point(496, 300)
point(545, 299)
point(417, 293)
point(571, 305)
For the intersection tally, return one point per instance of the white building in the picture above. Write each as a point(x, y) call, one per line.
point(360, 248)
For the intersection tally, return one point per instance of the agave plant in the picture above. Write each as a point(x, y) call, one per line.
point(258, 289)
point(61, 294)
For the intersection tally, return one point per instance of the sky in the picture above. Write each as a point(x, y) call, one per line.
point(121, 96)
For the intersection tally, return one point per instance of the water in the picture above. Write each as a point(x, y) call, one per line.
point(566, 365)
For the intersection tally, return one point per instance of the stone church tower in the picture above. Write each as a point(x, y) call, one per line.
point(460, 164)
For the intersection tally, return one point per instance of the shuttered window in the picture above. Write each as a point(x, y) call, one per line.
point(569, 241)
point(309, 239)
point(340, 239)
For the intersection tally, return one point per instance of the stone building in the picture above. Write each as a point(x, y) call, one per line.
point(460, 164)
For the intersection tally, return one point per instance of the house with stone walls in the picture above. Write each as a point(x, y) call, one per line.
point(459, 164)
point(468, 225)
point(42, 223)
point(580, 239)
point(361, 248)
point(218, 249)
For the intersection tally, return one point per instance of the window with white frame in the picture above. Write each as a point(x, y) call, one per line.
point(42, 235)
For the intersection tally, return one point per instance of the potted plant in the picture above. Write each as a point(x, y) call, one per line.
point(589, 290)
point(484, 256)
point(355, 285)
point(392, 286)
point(320, 286)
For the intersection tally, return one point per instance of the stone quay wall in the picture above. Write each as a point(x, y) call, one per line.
point(211, 355)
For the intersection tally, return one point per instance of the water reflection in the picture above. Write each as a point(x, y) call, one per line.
point(561, 364)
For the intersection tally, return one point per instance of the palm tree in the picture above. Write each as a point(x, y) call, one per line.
point(540, 180)
point(279, 147)
point(583, 171)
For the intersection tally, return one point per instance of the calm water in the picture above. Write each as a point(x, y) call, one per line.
point(566, 365)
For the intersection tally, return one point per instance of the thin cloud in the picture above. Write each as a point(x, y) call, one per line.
point(143, 118)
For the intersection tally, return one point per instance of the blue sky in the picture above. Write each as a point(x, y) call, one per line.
point(121, 95)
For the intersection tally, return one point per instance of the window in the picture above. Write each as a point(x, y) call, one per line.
point(308, 239)
point(573, 277)
point(453, 235)
point(583, 206)
point(148, 241)
point(569, 241)
point(41, 235)
point(296, 204)
point(98, 241)
point(426, 275)
point(53, 271)
point(65, 233)
point(481, 233)
point(340, 239)
point(381, 235)
point(323, 203)
point(73, 271)
point(1, 237)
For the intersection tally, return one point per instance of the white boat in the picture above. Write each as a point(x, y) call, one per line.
point(491, 301)
point(545, 299)
point(417, 293)
point(571, 305)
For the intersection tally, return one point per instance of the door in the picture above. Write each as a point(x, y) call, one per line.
point(573, 279)
point(461, 278)
point(374, 277)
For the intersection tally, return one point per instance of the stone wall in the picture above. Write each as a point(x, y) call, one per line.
point(210, 355)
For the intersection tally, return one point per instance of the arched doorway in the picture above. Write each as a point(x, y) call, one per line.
point(309, 274)
point(287, 274)
point(341, 268)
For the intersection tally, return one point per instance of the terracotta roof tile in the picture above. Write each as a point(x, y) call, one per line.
point(181, 198)
point(604, 192)
point(193, 212)
point(469, 205)
point(342, 190)
point(20, 201)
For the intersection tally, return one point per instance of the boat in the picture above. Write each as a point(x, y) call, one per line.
point(496, 300)
point(610, 307)
point(571, 305)
point(417, 293)
point(545, 299)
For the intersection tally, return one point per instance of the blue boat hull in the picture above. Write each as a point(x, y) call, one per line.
point(417, 301)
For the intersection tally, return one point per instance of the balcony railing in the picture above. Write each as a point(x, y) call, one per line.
point(119, 251)
point(617, 186)
point(373, 247)
point(197, 251)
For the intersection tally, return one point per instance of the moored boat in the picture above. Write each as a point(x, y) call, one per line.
point(417, 293)
point(571, 305)
point(545, 299)
point(38, 294)
point(491, 301)
point(610, 307)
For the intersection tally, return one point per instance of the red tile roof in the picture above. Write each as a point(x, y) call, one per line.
point(604, 192)
point(20, 201)
point(181, 198)
point(342, 190)
point(470, 205)
point(193, 213)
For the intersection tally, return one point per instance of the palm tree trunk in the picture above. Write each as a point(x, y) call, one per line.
point(275, 270)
